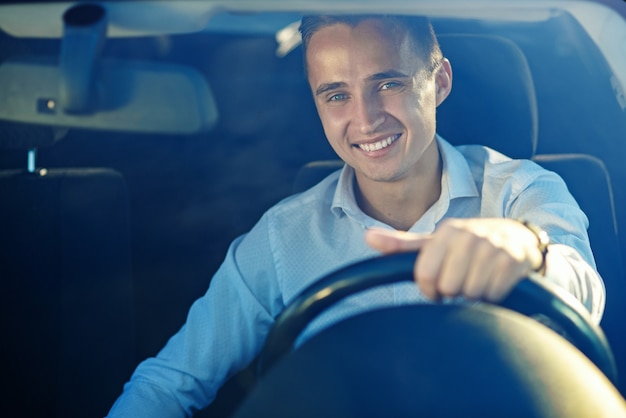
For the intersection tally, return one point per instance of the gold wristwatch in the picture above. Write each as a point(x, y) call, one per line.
point(543, 241)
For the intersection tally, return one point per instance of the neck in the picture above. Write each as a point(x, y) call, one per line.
point(402, 203)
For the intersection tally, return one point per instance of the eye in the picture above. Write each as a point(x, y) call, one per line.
point(337, 97)
point(390, 85)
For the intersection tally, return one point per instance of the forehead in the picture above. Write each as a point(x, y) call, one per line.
point(371, 45)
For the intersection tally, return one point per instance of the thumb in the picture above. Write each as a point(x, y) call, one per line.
point(388, 241)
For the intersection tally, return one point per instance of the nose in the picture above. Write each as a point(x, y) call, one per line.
point(368, 114)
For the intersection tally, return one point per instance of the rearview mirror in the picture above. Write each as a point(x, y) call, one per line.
point(132, 96)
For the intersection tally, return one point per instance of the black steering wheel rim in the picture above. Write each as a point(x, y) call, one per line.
point(528, 297)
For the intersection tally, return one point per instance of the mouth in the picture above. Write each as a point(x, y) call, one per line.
point(378, 145)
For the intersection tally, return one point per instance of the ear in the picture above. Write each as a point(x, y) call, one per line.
point(443, 81)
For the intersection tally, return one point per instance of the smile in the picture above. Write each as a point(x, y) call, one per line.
point(384, 143)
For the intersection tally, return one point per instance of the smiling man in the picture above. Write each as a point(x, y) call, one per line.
point(376, 82)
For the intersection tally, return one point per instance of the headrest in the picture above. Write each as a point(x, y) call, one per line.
point(15, 135)
point(492, 101)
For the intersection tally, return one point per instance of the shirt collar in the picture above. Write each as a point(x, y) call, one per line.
point(344, 200)
point(457, 181)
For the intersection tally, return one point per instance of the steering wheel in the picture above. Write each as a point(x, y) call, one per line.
point(528, 297)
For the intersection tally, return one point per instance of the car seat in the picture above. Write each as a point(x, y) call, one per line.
point(589, 182)
point(66, 294)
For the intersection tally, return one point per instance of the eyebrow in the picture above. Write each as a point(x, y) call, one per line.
point(387, 74)
point(323, 88)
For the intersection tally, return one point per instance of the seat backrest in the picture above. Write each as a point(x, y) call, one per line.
point(589, 182)
point(313, 172)
point(472, 114)
point(66, 294)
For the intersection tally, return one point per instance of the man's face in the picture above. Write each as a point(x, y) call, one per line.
point(375, 100)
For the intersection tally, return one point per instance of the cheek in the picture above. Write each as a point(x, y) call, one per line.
point(333, 121)
point(405, 109)
point(413, 110)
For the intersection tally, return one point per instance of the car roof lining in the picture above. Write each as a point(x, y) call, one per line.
point(144, 18)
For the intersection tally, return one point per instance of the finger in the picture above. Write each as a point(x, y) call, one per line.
point(480, 272)
point(388, 241)
point(505, 276)
point(430, 262)
point(456, 265)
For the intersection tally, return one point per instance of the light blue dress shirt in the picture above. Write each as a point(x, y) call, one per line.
point(308, 235)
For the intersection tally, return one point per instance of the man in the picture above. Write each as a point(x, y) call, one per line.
point(376, 82)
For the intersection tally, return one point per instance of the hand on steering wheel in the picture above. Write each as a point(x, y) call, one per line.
point(476, 258)
point(528, 297)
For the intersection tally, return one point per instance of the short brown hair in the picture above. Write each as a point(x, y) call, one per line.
point(419, 29)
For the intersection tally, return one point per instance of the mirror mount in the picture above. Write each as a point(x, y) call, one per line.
point(84, 33)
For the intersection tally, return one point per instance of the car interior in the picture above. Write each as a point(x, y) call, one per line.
point(108, 236)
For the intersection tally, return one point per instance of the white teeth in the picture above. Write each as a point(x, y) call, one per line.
point(377, 145)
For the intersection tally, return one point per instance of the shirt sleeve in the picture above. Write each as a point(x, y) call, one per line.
point(546, 202)
point(223, 332)
point(570, 271)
